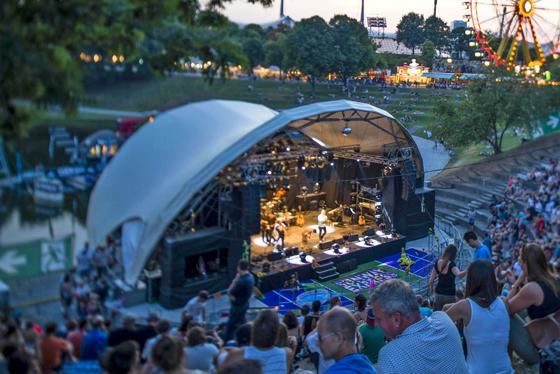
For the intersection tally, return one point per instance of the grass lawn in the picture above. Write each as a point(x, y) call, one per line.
point(471, 154)
point(165, 93)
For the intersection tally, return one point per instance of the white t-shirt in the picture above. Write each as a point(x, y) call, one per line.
point(194, 307)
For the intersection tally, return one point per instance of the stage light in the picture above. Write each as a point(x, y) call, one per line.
point(303, 168)
point(288, 149)
point(336, 248)
point(269, 172)
point(332, 163)
point(358, 160)
point(347, 130)
point(303, 257)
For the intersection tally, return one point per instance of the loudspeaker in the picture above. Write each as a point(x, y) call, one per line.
point(292, 251)
point(353, 238)
point(325, 245)
point(266, 267)
point(274, 256)
point(369, 232)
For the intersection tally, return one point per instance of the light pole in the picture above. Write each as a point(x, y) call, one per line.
point(362, 19)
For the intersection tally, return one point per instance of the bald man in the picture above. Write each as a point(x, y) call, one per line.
point(338, 340)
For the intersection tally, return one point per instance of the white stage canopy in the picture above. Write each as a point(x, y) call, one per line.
point(161, 167)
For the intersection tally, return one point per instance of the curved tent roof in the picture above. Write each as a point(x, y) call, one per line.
point(156, 173)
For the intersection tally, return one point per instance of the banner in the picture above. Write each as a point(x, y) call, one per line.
point(32, 259)
point(548, 125)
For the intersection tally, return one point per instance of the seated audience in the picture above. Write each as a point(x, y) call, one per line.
point(52, 348)
point(122, 359)
point(201, 354)
point(537, 291)
point(263, 348)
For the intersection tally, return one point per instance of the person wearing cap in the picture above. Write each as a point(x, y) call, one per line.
point(373, 338)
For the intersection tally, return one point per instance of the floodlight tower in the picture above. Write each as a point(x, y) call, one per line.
point(362, 14)
point(281, 9)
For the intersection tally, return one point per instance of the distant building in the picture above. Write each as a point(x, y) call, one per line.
point(390, 45)
point(286, 20)
point(458, 24)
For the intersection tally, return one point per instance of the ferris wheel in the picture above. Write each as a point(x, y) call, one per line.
point(518, 34)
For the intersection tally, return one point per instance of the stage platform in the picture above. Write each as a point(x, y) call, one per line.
point(352, 253)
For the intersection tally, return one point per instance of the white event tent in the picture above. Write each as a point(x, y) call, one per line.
point(161, 167)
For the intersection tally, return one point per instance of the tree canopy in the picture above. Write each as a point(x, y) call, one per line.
point(41, 42)
point(354, 49)
point(488, 110)
point(437, 31)
point(310, 47)
point(410, 31)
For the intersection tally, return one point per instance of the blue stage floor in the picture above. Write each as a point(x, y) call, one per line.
point(285, 298)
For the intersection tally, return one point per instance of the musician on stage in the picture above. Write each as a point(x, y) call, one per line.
point(322, 224)
point(280, 228)
point(265, 231)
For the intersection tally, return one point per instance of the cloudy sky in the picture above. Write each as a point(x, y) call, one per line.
point(393, 10)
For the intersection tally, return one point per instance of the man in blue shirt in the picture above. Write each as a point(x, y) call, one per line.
point(337, 337)
point(239, 293)
point(95, 341)
point(481, 252)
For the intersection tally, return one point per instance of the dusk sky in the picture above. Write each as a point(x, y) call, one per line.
point(393, 10)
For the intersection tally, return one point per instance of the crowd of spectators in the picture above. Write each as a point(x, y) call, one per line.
point(85, 288)
point(509, 305)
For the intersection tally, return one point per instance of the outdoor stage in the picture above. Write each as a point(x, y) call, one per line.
point(273, 267)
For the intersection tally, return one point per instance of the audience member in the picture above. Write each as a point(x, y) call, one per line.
point(122, 359)
point(481, 252)
point(418, 345)
point(76, 336)
point(360, 314)
point(243, 366)
point(196, 307)
point(168, 356)
point(239, 292)
point(263, 348)
point(52, 348)
point(124, 333)
point(310, 321)
point(163, 328)
point(95, 341)
point(445, 272)
point(338, 339)
point(540, 296)
point(485, 320)
point(373, 338)
point(201, 354)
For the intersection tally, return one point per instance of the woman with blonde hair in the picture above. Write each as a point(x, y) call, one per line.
point(536, 290)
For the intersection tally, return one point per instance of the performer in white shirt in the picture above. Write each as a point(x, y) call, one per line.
point(322, 224)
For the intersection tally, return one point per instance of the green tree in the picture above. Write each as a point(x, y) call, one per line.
point(252, 45)
point(437, 31)
point(410, 30)
point(41, 41)
point(354, 49)
point(459, 43)
point(310, 48)
point(488, 111)
point(428, 52)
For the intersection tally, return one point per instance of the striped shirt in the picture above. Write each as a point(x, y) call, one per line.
point(431, 345)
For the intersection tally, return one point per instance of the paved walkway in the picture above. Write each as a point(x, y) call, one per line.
point(434, 159)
